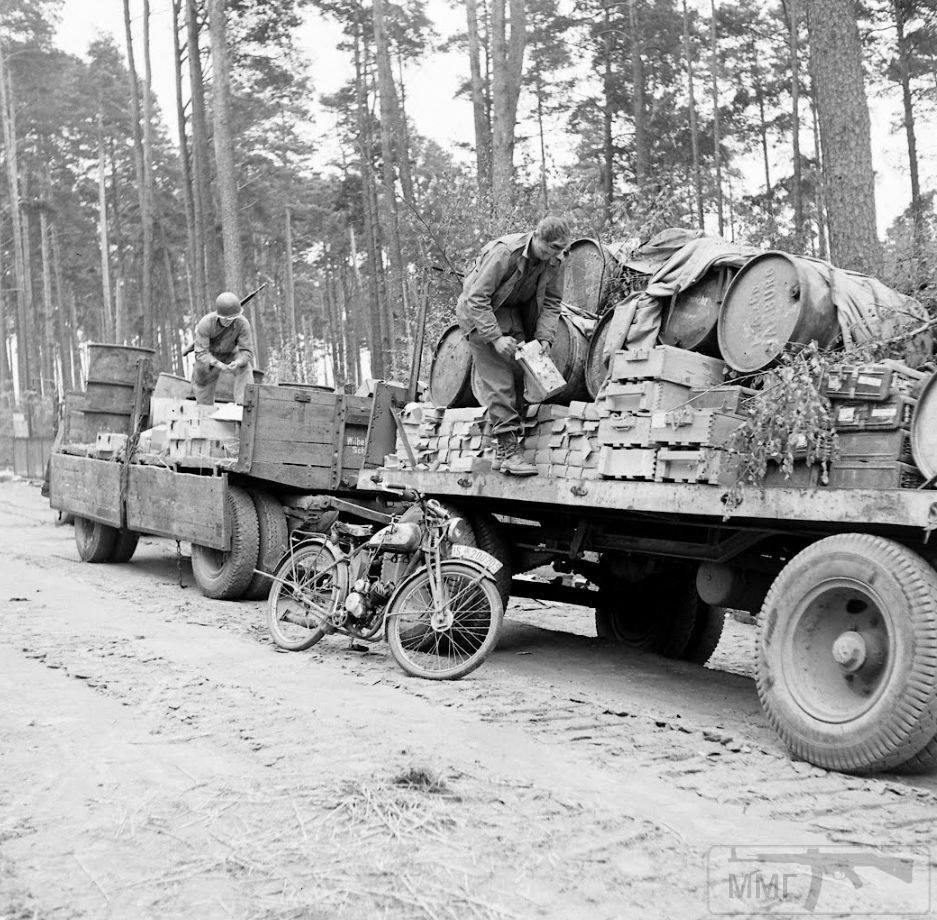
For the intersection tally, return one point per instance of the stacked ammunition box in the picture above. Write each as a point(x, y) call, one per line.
point(872, 409)
point(666, 416)
point(562, 440)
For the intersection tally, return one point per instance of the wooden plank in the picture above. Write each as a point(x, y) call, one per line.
point(314, 478)
point(858, 508)
point(86, 487)
point(182, 506)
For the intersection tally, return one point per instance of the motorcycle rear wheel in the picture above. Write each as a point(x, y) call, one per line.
point(451, 653)
point(310, 581)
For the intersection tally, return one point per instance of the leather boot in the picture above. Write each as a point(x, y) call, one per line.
point(508, 457)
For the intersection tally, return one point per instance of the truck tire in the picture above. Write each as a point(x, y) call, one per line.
point(847, 657)
point(95, 541)
point(656, 614)
point(707, 631)
point(489, 536)
point(125, 545)
point(226, 575)
point(273, 542)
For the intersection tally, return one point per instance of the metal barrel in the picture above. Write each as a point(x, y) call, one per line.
point(570, 353)
point(450, 375)
point(692, 318)
point(224, 388)
point(172, 386)
point(596, 365)
point(96, 423)
point(776, 299)
point(589, 274)
point(115, 363)
point(924, 429)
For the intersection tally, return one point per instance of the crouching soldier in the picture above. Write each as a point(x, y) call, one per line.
point(223, 342)
point(511, 295)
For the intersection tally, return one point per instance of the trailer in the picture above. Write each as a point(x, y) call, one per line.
point(842, 580)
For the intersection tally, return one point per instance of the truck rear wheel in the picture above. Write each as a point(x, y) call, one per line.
point(656, 614)
point(225, 575)
point(125, 545)
point(707, 631)
point(847, 659)
point(490, 537)
point(95, 541)
point(273, 542)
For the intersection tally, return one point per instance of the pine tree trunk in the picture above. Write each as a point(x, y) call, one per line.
point(507, 60)
point(48, 310)
point(195, 266)
point(797, 186)
point(377, 336)
point(845, 134)
point(608, 151)
point(823, 239)
point(402, 132)
point(291, 294)
point(146, 220)
point(763, 134)
point(717, 139)
point(103, 242)
point(224, 146)
point(638, 105)
point(904, 71)
point(34, 318)
point(203, 213)
point(479, 105)
point(6, 381)
point(347, 317)
point(70, 333)
point(24, 369)
point(391, 223)
point(694, 133)
point(148, 173)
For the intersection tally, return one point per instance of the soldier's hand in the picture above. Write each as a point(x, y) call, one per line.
point(544, 346)
point(506, 346)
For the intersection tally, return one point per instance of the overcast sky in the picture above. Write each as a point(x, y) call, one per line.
point(431, 87)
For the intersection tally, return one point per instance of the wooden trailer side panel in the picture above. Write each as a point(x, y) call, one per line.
point(182, 506)
point(87, 488)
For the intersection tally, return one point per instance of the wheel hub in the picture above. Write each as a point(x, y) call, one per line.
point(850, 651)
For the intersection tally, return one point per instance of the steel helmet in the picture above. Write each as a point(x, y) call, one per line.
point(227, 304)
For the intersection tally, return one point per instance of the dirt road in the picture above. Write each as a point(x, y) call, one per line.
point(159, 758)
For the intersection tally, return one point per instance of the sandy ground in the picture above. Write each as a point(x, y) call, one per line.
point(160, 758)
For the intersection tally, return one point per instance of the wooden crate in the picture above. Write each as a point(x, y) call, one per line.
point(731, 399)
point(873, 382)
point(645, 396)
point(627, 463)
point(625, 430)
point(802, 477)
point(875, 445)
point(706, 465)
point(873, 474)
point(701, 427)
point(668, 364)
point(863, 415)
point(315, 439)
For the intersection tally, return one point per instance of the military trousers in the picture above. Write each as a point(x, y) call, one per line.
point(498, 383)
point(205, 379)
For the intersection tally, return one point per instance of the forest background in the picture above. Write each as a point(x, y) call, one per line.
point(127, 201)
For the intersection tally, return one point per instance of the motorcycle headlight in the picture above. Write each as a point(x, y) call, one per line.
point(458, 530)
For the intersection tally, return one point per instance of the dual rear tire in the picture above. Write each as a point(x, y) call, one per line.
point(102, 543)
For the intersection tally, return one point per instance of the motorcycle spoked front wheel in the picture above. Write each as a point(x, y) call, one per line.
point(449, 643)
point(308, 585)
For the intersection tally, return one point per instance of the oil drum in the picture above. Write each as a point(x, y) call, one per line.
point(115, 363)
point(924, 429)
point(450, 375)
point(776, 299)
point(569, 353)
point(589, 273)
point(693, 315)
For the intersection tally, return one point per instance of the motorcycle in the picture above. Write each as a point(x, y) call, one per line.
point(415, 580)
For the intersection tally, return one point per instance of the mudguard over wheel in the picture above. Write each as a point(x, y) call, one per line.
point(847, 658)
point(444, 645)
point(125, 545)
point(307, 585)
point(656, 614)
point(95, 541)
point(272, 544)
point(226, 575)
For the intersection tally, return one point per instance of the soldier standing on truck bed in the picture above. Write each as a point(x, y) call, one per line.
point(223, 341)
point(512, 294)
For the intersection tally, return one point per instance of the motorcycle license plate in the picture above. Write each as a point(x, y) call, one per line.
point(474, 554)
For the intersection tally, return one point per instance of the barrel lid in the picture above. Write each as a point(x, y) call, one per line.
point(760, 311)
point(692, 316)
point(596, 367)
point(924, 429)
